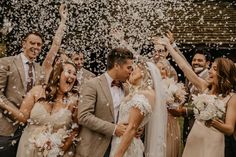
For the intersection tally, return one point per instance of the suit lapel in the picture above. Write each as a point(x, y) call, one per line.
point(106, 90)
point(20, 68)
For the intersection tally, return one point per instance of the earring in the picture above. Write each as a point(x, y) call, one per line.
point(222, 82)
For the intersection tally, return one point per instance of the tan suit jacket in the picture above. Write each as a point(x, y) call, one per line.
point(96, 117)
point(83, 76)
point(12, 87)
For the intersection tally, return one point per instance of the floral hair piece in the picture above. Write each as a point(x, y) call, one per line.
point(147, 80)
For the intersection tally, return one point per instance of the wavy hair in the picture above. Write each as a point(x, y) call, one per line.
point(226, 76)
point(52, 85)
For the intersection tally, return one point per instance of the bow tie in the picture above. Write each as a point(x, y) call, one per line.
point(116, 83)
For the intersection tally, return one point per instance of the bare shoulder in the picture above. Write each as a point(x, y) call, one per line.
point(37, 91)
point(232, 100)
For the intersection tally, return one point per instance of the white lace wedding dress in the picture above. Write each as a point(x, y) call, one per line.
point(136, 148)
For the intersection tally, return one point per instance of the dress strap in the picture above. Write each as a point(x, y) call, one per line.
point(229, 98)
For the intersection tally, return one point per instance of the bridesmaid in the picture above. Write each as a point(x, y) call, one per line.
point(173, 128)
point(51, 112)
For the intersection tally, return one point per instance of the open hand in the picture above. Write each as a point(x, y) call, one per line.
point(170, 36)
point(161, 40)
point(63, 11)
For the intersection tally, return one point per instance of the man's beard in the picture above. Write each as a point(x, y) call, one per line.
point(198, 70)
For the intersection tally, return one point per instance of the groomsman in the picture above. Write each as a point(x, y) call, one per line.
point(200, 64)
point(18, 74)
point(99, 106)
point(83, 75)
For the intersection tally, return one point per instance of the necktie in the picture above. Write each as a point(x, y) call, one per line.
point(30, 77)
point(116, 83)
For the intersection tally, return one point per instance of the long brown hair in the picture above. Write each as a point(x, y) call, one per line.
point(54, 80)
point(226, 76)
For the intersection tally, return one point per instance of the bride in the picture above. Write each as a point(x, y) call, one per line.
point(141, 106)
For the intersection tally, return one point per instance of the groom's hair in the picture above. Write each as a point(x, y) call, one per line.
point(119, 56)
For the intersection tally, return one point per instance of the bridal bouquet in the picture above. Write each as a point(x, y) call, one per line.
point(49, 142)
point(176, 93)
point(207, 107)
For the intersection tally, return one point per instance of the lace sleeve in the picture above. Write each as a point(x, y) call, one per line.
point(141, 102)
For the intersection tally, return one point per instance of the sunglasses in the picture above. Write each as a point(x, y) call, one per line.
point(161, 50)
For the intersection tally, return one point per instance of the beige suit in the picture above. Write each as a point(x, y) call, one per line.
point(83, 76)
point(96, 117)
point(12, 78)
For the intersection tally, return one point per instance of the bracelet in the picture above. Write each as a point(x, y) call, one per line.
point(174, 45)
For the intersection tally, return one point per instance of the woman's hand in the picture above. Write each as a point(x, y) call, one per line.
point(163, 41)
point(170, 36)
point(176, 112)
point(214, 122)
point(63, 11)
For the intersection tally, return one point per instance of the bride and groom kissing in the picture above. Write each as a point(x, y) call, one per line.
point(110, 113)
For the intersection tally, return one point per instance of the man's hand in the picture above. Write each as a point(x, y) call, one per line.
point(120, 129)
point(139, 132)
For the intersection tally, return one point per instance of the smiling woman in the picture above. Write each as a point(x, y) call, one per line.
point(44, 105)
point(221, 83)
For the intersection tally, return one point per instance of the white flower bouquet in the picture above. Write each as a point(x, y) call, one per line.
point(49, 142)
point(207, 107)
point(176, 93)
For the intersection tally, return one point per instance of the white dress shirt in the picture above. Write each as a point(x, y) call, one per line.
point(117, 95)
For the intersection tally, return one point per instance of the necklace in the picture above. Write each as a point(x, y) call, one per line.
point(64, 100)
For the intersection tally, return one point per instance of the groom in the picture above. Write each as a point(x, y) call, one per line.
point(99, 106)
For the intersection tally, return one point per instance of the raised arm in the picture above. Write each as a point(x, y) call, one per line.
point(198, 82)
point(170, 36)
point(22, 114)
point(228, 126)
point(48, 61)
